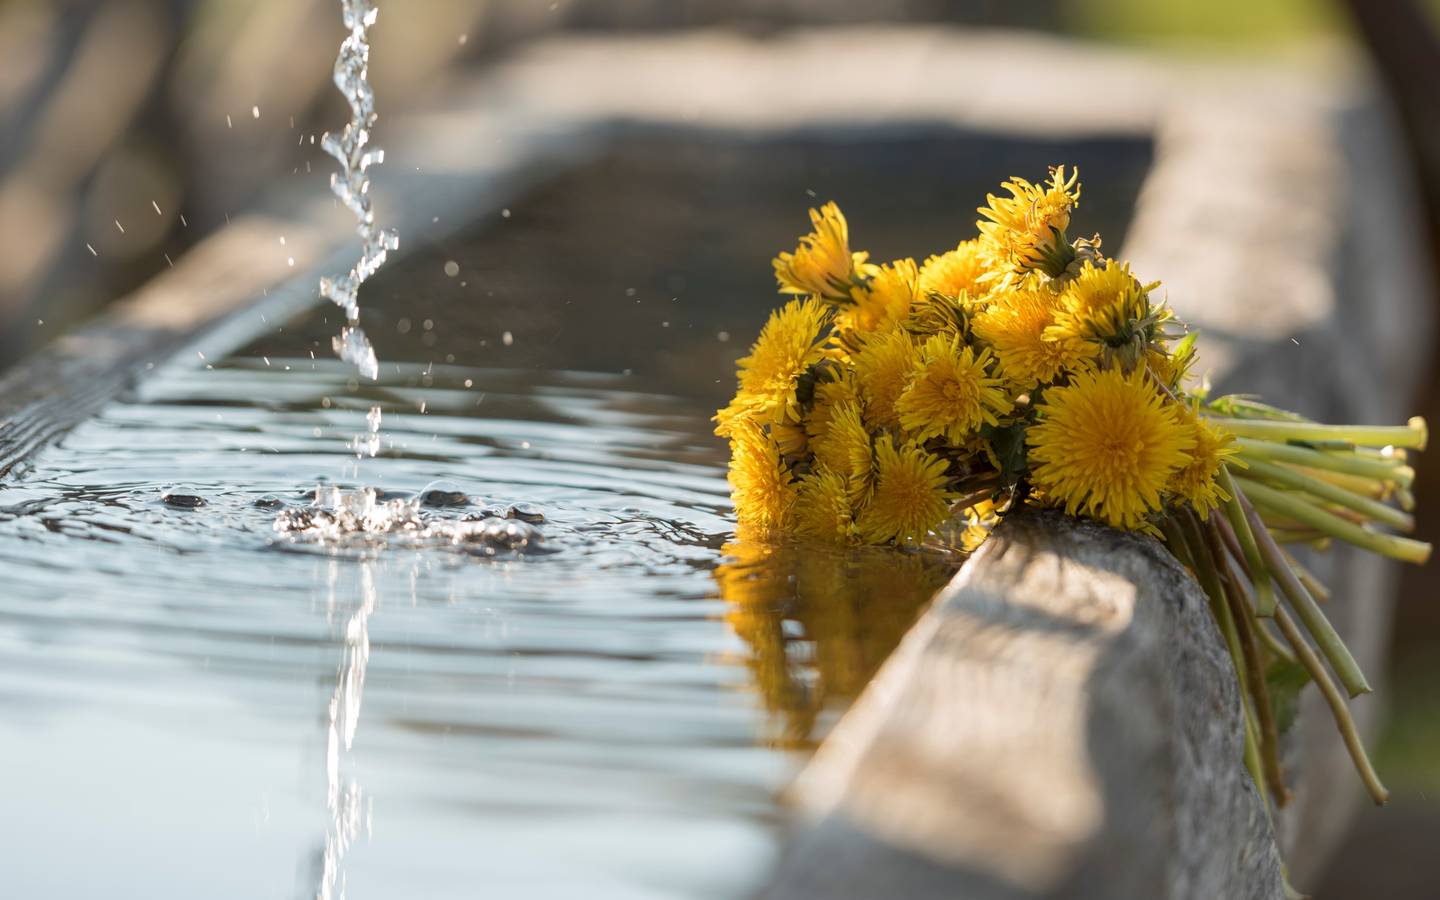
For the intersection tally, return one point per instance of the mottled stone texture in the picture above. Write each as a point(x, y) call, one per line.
point(1063, 723)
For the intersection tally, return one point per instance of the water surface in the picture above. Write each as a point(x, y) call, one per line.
point(185, 694)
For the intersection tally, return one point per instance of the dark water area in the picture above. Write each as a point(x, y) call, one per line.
point(193, 704)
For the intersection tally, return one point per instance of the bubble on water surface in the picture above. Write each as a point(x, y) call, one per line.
point(442, 494)
point(180, 500)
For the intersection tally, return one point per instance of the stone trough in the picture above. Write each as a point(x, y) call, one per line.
point(1063, 722)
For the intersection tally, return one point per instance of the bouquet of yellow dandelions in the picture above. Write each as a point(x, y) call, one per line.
point(899, 403)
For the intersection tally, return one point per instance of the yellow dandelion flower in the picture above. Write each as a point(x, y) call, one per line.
point(883, 301)
point(952, 394)
point(957, 273)
point(769, 377)
point(822, 264)
point(1196, 480)
point(909, 499)
point(822, 507)
point(1107, 308)
point(829, 394)
point(791, 438)
point(760, 483)
point(883, 368)
point(1106, 445)
point(1027, 229)
point(1014, 326)
point(845, 449)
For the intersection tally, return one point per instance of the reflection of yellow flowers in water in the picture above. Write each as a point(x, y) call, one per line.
point(817, 623)
point(1106, 445)
point(1197, 480)
point(788, 345)
point(1014, 325)
point(884, 301)
point(909, 497)
point(884, 366)
point(951, 394)
point(760, 485)
point(957, 273)
point(1023, 230)
point(822, 264)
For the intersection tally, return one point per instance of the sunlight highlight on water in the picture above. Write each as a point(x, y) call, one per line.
point(343, 795)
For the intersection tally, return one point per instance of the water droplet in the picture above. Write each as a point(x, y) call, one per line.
point(507, 339)
point(452, 268)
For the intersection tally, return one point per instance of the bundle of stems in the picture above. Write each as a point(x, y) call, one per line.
point(1294, 482)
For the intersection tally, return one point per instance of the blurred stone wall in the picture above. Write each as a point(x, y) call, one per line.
point(131, 128)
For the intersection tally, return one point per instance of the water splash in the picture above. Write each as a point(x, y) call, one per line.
point(367, 444)
point(351, 148)
point(341, 518)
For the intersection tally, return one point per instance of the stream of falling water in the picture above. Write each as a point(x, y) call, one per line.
point(343, 796)
point(351, 148)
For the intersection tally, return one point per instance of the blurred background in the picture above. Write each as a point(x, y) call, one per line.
point(131, 129)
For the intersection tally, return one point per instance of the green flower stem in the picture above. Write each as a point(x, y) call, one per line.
point(1245, 625)
point(1175, 540)
point(1209, 577)
point(1288, 504)
point(1300, 536)
point(1412, 435)
point(1343, 721)
point(1272, 643)
point(1405, 498)
point(1245, 584)
point(1349, 463)
point(1309, 612)
point(1254, 562)
point(1373, 509)
point(1373, 488)
point(1253, 761)
point(1317, 589)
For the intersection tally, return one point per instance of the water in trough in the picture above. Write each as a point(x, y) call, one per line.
point(194, 704)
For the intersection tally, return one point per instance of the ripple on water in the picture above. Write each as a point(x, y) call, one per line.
point(181, 592)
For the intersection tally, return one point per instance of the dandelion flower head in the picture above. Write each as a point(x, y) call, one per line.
point(1106, 445)
point(822, 264)
point(952, 393)
point(910, 498)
